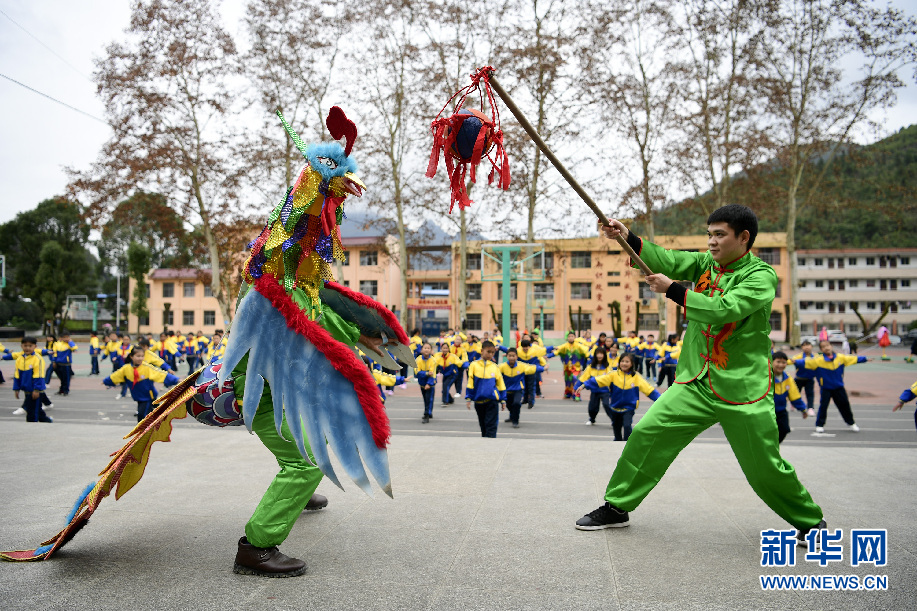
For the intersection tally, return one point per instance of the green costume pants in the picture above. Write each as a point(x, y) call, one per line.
point(288, 494)
point(682, 413)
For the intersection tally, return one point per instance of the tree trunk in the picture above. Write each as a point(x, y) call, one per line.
point(215, 273)
point(402, 253)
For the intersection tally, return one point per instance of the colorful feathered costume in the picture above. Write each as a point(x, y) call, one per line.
point(290, 372)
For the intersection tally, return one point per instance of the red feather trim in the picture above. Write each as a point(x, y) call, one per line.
point(341, 358)
point(368, 302)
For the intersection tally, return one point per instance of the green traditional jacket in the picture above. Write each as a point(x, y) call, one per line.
point(728, 313)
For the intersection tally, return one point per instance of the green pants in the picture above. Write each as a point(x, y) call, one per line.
point(682, 413)
point(288, 494)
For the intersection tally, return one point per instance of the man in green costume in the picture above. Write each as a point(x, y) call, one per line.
point(723, 374)
point(293, 488)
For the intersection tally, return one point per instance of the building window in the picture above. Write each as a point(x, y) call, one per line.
point(776, 321)
point(208, 290)
point(842, 307)
point(853, 327)
point(548, 321)
point(840, 285)
point(580, 290)
point(854, 284)
point(870, 260)
point(168, 289)
point(648, 321)
point(544, 291)
point(512, 321)
point(167, 317)
point(346, 260)
point(368, 287)
point(905, 260)
point(893, 307)
point(832, 308)
point(805, 328)
point(851, 261)
point(473, 293)
point(893, 285)
point(210, 317)
point(870, 284)
point(779, 287)
point(548, 261)
point(854, 305)
point(188, 289)
point(614, 284)
point(512, 291)
point(473, 320)
point(472, 260)
point(830, 285)
point(830, 263)
point(187, 318)
point(819, 284)
point(801, 260)
point(883, 285)
point(819, 261)
point(582, 321)
point(802, 284)
point(905, 284)
point(369, 257)
point(147, 291)
point(614, 273)
point(145, 320)
point(580, 259)
point(803, 305)
point(870, 305)
point(769, 255)
point(819, 305)
point(346, 283)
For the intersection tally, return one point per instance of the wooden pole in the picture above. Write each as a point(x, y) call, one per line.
point(536, 138)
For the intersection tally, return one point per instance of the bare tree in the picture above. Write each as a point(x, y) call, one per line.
point(721, 105)
point(391, 63)
point(631, 73)
point(533, 65)
point(814, 106)
point(291, 62)
point(459, 38)
point(167, 97)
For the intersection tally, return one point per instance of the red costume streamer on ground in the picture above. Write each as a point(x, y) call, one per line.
point(453, 137)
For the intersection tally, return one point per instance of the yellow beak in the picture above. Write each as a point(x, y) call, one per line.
point(348, 183)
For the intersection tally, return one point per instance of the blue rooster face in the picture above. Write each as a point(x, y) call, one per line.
point(329, 160)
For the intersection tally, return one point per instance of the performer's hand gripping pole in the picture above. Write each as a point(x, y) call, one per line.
point(560, 168)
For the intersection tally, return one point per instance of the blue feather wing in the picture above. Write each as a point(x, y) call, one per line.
point(319, 403)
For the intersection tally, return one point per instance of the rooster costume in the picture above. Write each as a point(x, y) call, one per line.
point(290, 372)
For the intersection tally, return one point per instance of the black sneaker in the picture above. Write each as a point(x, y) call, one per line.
point(801, 535)
point(508, 420)
point(606, 516)
point(515, 425)
point(425, 419)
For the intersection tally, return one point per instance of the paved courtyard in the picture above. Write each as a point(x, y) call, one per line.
point(475, 523)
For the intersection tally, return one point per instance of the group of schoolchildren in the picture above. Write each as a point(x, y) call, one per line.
point(136, 367)
point(610, 369)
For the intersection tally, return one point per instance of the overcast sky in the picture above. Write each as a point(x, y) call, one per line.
point(40, 137)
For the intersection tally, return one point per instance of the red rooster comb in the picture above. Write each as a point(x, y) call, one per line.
point(341, 127)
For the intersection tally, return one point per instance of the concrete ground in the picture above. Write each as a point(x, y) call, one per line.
point(475, 523)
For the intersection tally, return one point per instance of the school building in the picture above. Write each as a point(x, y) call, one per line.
point(587, 284)
point(834, 283)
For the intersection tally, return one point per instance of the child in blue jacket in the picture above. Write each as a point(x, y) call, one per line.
point(625, 385)
point(785, 388)
point(425, 373)
point(829, 371)
point(29, 377)
point(597, 367)
point(140, 379)
point(514, 372)
point(908, 395)
point(486, 390)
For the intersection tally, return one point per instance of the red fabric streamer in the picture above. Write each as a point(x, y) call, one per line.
point(341, 358)
point(445, 130)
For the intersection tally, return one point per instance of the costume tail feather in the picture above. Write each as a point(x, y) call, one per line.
point(124, 470)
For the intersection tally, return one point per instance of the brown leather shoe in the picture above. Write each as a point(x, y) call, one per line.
point(265, 562)
point(316, 502)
